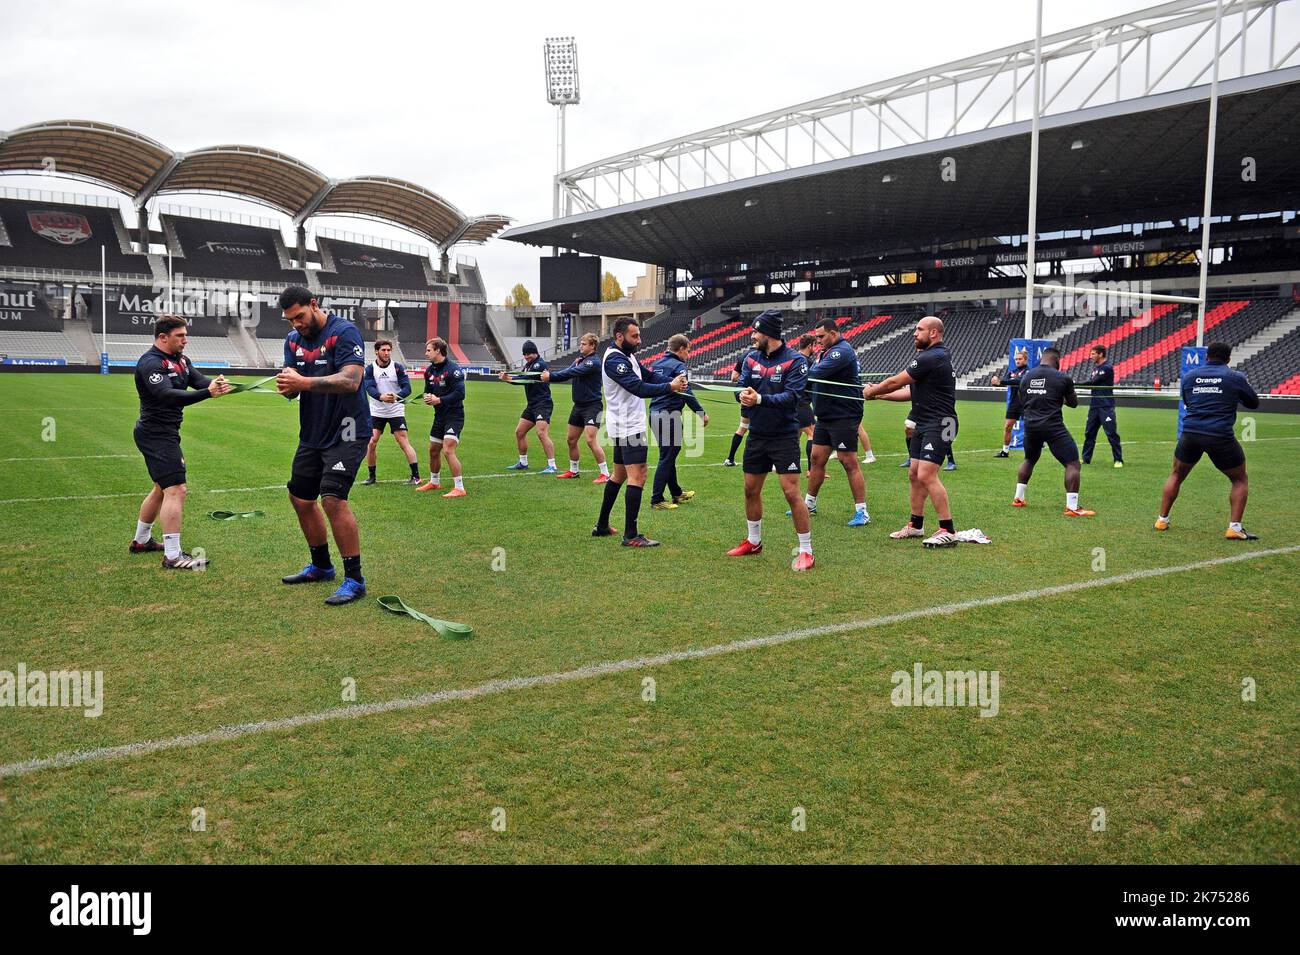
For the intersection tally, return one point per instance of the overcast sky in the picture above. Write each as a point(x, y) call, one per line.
point(452, 95)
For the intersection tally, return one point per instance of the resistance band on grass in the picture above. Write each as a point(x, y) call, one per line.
point(446, 628)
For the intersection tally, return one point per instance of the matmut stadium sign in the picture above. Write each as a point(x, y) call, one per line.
point(21, 309)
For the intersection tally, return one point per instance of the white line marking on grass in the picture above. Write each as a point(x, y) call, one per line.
point(484, 477)
point(68, 457)
point(593, 670)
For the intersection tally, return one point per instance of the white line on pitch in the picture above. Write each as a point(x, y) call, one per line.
point(591, 671)
point(68, 457)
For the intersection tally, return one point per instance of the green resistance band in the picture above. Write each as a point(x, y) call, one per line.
point(236, 389)
point(233, 515)
point(446, 628)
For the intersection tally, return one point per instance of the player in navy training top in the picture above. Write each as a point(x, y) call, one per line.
point(1044, 391)
point(933, 386)
point(585, 416)
point(1012, 382)
point(1210, 397)
point(537, 409)
point(1101, 408)
point(324, 361)
point(163, 379)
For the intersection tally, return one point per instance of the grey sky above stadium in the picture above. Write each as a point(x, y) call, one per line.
point(456, 102)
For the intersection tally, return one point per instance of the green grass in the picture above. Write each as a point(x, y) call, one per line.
point(1124, 697)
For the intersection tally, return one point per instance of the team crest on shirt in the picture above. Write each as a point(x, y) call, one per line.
point(622, 369)
point(358, 350)
point(156, 377)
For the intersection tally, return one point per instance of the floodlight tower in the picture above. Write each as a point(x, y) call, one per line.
point(560, 54)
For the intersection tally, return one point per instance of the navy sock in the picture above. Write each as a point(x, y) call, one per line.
point(631, 508)
point(372, 471)
point(607, 503)
point(947, 526)
point(918, 521)
point(735, 444)
point(415, 469)
point(807, 447)
point(352, 567)
point(320, 556)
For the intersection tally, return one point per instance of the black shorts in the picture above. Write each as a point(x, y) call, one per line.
point(535, 413)
point(1058, 440)
point(447, 426)
point(586, 415)
point(765, 452)
point(396, 424)
point(162, 456)
point(327, 472)
point(1014, 411)
point(805, 415)
point(1224, 450)
point(928, 443)
point(634, 449)
point(840, 433)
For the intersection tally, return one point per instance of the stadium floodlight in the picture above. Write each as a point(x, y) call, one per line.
point(561, 54)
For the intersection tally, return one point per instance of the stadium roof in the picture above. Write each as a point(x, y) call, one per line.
point(1140, 159)
point(143, 168)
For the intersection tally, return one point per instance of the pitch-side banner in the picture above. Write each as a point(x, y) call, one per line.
point(1034, 347)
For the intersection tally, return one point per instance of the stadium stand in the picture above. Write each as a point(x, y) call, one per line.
point(207, 248)
point(204, 351)
point(54, 346)
point(57, 237)
point(1276, 370)
point(367, 266)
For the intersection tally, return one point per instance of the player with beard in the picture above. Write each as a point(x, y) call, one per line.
point(625, 422)
point(932, 385)
point(324, 358)
point(1014, 411)
point(163, 379)
point(387, 385)
point(444, 391)
point(839, 419)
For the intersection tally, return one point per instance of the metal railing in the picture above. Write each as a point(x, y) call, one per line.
point(357, 238)
point(1154, 50)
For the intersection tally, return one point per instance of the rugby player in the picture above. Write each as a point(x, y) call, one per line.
point(387, 385)
point(164, 378)
point(1101, 408)
point(584, 419)
point(444, 391)
point(1014, 411)
point(932, 386)
point(1210, 397)
point(625, 391)
point(774, 376)
point(538, 407)
point(839, 420)
point(324, 358)
point(804, 410)
point(666, 423)
point(1044, 391)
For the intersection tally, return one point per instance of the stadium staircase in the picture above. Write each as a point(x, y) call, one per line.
point(981, 375)
point(1171, 343)
point(1269, 336)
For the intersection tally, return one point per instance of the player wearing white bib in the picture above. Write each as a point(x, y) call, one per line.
point(625, 394)
point(386, 386)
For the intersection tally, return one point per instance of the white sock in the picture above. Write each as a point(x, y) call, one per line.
point(604, 468)
point(459, 482)
point(860, 508)
point(143, 532)
point(523, 459)
point(1072, 500)
point(810, 500)
point(1165, 518)
point(1235, 525)
point(1020, 490)
point(550, 462)
point(435, 477)
point(573, 465)
point(1006, 448)
point(172, 546)
point(755, 532)
point(805, 543)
